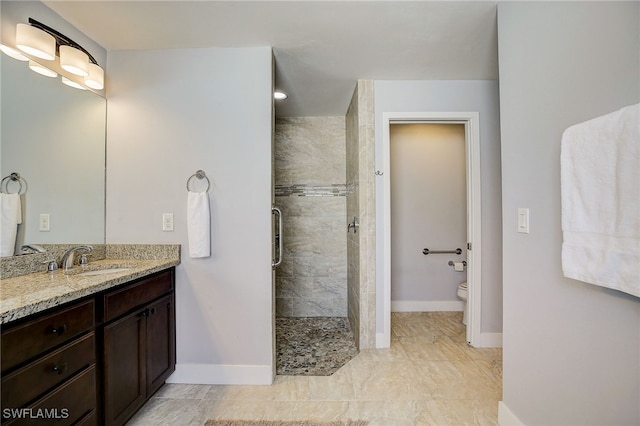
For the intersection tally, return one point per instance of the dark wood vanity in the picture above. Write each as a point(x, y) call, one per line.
point(93, 361)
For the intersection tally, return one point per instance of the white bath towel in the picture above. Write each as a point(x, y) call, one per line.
point(198, 224)
point(600, 175)
point(10, 218)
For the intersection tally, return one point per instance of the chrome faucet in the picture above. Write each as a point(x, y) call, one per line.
point(33, 248)
point(67, 258)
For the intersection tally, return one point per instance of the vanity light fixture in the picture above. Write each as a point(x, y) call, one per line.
point(95, 79)
point(10, 51)
point(73, 60)
point(35, 42)
point(73, 84)
point(40, 41)
point(41, 69)
point(279, 95)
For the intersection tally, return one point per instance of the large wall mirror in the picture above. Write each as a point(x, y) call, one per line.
point(54, 137)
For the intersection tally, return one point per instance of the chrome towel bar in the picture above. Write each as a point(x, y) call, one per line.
point(455, 251)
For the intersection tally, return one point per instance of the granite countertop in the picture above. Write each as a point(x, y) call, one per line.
point(24, 295)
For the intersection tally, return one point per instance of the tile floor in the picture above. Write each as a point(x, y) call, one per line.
point(429, 376)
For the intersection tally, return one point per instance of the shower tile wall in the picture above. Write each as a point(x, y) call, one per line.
point(310, 190)
point(360, 152)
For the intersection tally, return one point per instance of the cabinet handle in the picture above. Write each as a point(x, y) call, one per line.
point(144, 313)
point(60, 368)
point(59, 330)
point(152, 311)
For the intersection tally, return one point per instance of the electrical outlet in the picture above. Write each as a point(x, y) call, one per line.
point(44, 222)
point(523, 220)
point(167, 222)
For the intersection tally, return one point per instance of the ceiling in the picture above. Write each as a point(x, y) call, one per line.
point(321, 48)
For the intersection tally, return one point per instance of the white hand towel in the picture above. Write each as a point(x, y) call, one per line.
point(600, 176)
point(198, 224)
point(10, 218)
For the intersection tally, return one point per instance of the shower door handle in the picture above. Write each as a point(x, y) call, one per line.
point(278, 238)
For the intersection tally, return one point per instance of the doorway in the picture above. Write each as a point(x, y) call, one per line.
point(428, 212)
point(469, 121)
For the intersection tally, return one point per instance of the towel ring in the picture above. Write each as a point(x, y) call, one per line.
point(13, 177)
point(200, 174)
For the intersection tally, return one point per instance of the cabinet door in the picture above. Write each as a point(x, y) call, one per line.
point(161, 343)
point(124, 367)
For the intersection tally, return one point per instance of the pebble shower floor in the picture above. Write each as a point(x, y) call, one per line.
point(313, 346)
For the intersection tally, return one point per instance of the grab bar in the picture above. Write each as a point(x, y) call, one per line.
point(279, 237)
point(427, 251)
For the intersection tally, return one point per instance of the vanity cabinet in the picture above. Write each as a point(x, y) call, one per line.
point(91, 362)
point(49, 367)
point(139, 346)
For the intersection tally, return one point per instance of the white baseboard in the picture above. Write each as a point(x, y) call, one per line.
point(506, 417)
point(214, 374)
point(426, 305)
point(490, 340)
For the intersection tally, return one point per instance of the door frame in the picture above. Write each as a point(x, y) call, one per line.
point(471, 121)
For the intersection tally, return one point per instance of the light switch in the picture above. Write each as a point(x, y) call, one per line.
point(523, 220)
point(44, 222)
point(167, 221)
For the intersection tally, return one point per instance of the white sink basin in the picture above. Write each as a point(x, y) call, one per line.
point(104, 271)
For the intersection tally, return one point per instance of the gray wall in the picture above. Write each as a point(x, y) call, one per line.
point(460, 96)
point(311, 192)
point(571, 350)
point(172, 112)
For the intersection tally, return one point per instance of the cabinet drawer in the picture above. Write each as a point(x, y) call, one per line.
point(34, 337)
point(119, 302)
point(25, 384)
point(64, 406)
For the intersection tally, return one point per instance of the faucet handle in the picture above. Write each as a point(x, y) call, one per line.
point(52, 265)
point(83, 259)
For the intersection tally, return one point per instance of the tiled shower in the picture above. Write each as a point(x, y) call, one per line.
point(324, 178)
point(310, 189)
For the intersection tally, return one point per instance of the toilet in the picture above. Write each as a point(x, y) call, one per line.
point(463, 292)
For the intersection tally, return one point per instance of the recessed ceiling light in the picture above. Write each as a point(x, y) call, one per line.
point(279, 95)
